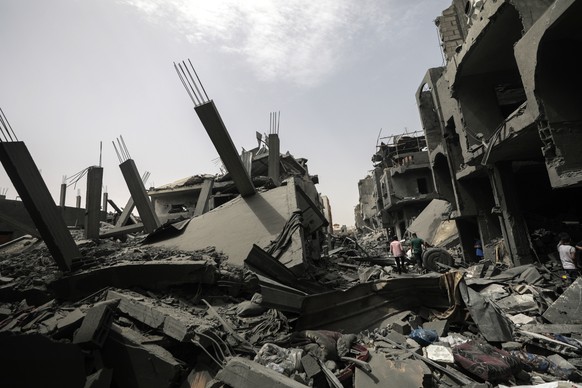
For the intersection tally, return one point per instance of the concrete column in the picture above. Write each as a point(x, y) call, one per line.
point(37, 200)
point(220, 137)
point(274, 158)
point(63, 196)
point(126, 213)
point(139, 195)
point(104, 202)
point(78, 204)
point(92, 201)
point(203, 197)
point(247, 161)
point(513, 225)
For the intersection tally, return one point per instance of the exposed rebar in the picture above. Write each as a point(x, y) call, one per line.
point(75, 177)
point(145, 176)
point(201, 97)
point(274, 122)
point(125, 147)
point(191, 82)
point(6, 131)
point(200, 82)
point(117, 152)
point(184, 84)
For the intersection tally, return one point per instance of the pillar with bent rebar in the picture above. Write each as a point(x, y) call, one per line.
point(220, 137)
point(274, 158)
point(212, 122)
point(139, 195)
point(93, 201)
point(37, 200)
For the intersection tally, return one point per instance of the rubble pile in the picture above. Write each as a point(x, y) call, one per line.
point(202, 322)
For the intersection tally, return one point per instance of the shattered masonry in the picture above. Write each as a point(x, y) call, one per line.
point(237, 280)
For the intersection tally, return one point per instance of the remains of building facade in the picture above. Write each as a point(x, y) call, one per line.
point(496, 119)
point(235, 280)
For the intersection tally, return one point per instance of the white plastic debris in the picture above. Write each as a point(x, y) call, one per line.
point(439, 353)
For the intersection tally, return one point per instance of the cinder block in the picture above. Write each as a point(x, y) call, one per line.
point(95, 327)
point(401, 327)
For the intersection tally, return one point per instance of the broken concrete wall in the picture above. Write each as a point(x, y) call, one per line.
point(174, 205)
point(367, 202)
point(450, 31)
point(412, 184)
point(550, 80)
point(432, 225)
point(235, 226)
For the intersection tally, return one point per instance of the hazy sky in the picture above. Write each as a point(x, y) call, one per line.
point(77, 72)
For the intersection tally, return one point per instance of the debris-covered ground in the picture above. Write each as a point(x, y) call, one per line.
point(131, 315)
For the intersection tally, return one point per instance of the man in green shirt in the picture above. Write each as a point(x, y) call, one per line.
point(417, 245)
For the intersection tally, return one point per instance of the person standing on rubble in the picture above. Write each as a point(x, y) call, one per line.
point(568, 257)
point(418, 246)
point(398, 253)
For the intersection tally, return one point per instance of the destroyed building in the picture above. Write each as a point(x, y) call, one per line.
point(501, 124)
point(400, 186)
point(500, 128)
point(198, 194)
point(230, 288)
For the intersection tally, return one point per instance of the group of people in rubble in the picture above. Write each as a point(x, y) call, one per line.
point(570, 256)
point(417, 247)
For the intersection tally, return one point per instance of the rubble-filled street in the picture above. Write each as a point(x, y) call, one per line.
point(138, 316)
point(462, 268)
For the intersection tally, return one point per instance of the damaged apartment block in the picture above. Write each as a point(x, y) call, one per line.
point(501, 129)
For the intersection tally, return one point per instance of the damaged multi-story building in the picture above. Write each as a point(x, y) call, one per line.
point(399, 187)
point(502, 121)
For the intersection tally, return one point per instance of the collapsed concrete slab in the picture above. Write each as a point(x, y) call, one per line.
point(259, 219)
point(566, 309)
point(148, 275)
point(95, 327)
point(433, 226)
point(367, 305)
point(175, 323)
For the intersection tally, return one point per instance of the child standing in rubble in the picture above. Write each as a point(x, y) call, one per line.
point(568, 256)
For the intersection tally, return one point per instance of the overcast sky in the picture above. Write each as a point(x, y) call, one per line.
point(77, 72)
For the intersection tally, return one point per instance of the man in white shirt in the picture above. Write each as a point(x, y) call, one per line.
point(568, 257)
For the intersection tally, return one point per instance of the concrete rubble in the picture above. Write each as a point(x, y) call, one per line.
point(432, 329)
point(236, 280)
